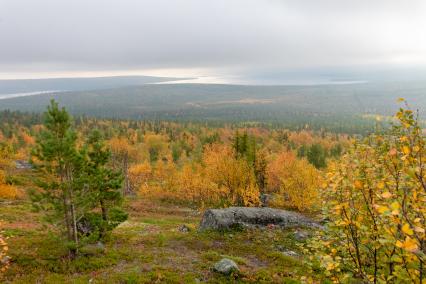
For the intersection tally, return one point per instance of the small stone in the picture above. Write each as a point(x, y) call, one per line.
point(290, 253)
point(280, 248)
point(184, 229)
point(226, 266)
point(5, 260)
point(23, 165)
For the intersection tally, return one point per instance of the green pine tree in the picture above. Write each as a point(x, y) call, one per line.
point(59, 164)
point(316, 155)
point(104, 186)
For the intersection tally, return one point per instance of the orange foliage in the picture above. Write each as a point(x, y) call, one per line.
point(120, 146)
point(4, 258)
point(220, 180)
point(156, 145)
point(193, 186)
point(140, 175)
point(303, 137)
point(28, 139)
point(233, 178)
point(7, 191)
point(295, 182)
point(209, 176)
point(277, 169)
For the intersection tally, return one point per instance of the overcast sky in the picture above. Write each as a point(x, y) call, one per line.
point(217, 38)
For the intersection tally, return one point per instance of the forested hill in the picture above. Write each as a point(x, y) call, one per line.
point(337, 107)
point(75, 84)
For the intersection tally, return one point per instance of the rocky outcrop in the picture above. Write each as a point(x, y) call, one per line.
point(243, 217)
point(226, 266)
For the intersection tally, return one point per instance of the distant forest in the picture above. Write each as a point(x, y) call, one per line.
point(350, 108)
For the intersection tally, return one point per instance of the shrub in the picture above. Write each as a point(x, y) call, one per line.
point(375, 201)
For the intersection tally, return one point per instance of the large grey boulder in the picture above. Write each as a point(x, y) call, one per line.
point(243, 217)
point(226, 266)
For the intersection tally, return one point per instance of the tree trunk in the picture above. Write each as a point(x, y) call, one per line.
point(74, 224)
point(71, 214)
point(126, 175)
point(104, 218)
point(66, 216)
point(69, 223)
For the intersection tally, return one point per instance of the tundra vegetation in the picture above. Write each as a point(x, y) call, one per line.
point(120, 201)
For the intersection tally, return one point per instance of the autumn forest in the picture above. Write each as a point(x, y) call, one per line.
point(90, 182)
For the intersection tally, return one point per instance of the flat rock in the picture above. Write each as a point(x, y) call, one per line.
point(257, 217)
point(226, 266)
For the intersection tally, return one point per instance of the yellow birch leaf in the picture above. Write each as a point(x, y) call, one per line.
point(382, 209)
point(394, 205)
point(386, 194)
point(409, 244)
point(406, 229)
point(403, 139)
point(406, 150)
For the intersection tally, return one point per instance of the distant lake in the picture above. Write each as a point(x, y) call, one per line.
point(199, 80)
point(17, 95)
point(204, 80)
point(263, 82)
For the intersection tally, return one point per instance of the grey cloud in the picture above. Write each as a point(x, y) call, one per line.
point(86, 35)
